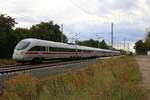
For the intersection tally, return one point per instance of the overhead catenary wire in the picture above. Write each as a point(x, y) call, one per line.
point(96, 16)
point(84, 10)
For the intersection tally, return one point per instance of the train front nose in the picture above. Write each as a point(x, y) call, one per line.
point(18, 55)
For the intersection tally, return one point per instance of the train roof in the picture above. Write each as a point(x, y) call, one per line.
point(62, 45)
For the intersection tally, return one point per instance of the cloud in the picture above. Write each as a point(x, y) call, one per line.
point(130, 17)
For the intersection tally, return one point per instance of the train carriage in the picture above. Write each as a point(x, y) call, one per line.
point(35, 49)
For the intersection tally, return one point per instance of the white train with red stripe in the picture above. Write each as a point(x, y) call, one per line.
point(38, 50)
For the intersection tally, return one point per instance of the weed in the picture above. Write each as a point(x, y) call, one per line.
point(111, 79)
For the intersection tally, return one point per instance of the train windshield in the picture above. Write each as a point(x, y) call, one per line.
point(22, 45)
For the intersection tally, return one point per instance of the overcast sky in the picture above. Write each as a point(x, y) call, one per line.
point(130, 17)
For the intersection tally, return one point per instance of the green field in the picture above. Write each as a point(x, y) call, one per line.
point(111, 79)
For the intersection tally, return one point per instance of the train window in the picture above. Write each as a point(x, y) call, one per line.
point(42, 48)
point(61, 49)
point(51, 49)
point(103, 52)
point(46, 48)
point(65, 50)
point(86, 50)
point(74, 50)
point(68, 50)
point(71, 50)
point(57, 49)
point(22, 45)
point(54, 49)
point(37, 48)
point(79, 50)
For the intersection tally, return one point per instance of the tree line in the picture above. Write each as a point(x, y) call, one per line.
point(143, 46)
point(94, 43)
point(10, 35)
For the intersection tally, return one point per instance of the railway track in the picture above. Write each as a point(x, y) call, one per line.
point(42, 70)
point(18, 67)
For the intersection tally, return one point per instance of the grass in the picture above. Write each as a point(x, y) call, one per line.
point(7, 62)
point(111, 79)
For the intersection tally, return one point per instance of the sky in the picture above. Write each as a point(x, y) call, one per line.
point(85, 18)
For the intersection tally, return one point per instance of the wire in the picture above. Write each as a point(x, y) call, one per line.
point(84, 10)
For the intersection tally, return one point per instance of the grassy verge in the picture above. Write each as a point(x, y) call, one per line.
point(7, 62)
point(111, 79)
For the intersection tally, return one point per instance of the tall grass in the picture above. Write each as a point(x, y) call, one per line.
point(7, 62)
point(111, 79)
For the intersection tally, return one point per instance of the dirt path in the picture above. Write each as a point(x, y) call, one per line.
point(144, 63)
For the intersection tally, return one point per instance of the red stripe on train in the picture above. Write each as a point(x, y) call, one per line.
point(32, 52)
point(46, 53)
point(58, 53)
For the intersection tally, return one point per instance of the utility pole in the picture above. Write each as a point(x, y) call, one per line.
point(98, 45)
point(118, 44)
point(121, 46)
point(76, 41)
point(114, 42)
point(112, 30)
point(62, 33)
point(98, 37)
point(76, 38)
point(124, 44)
point(128, 47)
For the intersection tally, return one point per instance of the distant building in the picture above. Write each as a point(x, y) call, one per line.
point(148, 53)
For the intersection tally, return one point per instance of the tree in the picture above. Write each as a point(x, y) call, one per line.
point(47, 31)
point(147, 41)
point(94, 43)
point(21, 33)
point(7, 24)
point(90, 43)
point(103, 45)
point(140, 47)
point(9, 36)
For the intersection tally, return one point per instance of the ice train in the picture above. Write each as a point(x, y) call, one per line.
point(35, 50)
